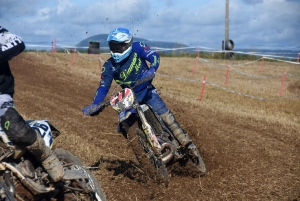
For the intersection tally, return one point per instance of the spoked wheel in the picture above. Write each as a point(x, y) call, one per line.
point(87, 189)
point(152, 165)
point(160, 169)
point(195, 157)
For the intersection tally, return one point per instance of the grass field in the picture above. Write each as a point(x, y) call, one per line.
point(250, 146)
point(180, 78)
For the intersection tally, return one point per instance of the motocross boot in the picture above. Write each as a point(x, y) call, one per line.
point(175, 128)
point(20, 133)
point(48, 159)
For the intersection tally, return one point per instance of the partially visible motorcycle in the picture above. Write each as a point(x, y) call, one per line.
point(151, 140)
point(23, 178)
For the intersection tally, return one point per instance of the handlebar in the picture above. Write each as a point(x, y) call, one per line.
point(104, 104)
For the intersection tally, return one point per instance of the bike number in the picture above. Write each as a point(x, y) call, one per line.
point(122, 100)
point(44, 130)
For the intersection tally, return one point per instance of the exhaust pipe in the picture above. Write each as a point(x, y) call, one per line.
point(166, 157)
point(29, 183)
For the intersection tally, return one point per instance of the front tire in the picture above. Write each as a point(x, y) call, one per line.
point(196, 159)
point(152, 165)
point(72, 162)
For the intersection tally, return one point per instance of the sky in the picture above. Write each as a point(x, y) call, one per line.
point(252, 23)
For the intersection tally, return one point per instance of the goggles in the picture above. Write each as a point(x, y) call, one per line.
point(116, 47)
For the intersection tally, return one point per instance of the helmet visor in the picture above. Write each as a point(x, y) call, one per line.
point(116, 47)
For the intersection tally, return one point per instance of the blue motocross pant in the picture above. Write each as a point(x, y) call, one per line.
point(151, 97)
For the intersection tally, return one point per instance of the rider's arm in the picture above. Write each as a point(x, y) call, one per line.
point(105, 82)
point(146, 53)
point(11, 45)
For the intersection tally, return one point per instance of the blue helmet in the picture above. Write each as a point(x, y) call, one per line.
point(119, 42)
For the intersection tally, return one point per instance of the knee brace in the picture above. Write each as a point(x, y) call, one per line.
point(16, 128)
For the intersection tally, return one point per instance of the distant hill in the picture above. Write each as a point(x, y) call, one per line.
point(168, 47)
point(103, 43)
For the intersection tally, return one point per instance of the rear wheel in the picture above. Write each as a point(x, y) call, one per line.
point(90, 188)
point(152, 165)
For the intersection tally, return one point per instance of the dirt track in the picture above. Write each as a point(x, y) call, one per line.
point(246, 159)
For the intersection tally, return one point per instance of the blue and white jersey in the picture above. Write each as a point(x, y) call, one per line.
point(128, 71)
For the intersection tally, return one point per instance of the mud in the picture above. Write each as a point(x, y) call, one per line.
point(246, 159)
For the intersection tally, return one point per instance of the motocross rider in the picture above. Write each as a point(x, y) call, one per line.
point(127, 64)
point(12, 123)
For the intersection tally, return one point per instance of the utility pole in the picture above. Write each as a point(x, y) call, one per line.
point(227, 21)
point(229, 44)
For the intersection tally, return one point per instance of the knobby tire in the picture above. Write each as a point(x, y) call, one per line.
point(154, 170)
point(68, 158)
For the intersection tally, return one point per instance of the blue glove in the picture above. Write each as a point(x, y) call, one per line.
point(91, 110)
point(148, 73)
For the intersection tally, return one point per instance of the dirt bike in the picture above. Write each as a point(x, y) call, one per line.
point(23, 178)
point(152, 142)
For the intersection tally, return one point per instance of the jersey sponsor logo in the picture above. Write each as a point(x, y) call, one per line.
point(136, 64)
point(156, 61)
point(154, 91)
point(142, 44)
point(102, 83)
point(149, 53)
point(146, 47)
point(120, 82)
point(12, 41)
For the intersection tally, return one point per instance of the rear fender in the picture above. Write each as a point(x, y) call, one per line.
point(45, 129)
point(52, 127)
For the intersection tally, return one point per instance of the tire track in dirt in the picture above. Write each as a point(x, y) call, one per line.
point(246, 159)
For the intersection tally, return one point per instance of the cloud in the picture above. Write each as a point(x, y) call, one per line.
point(198, 22)
point(253, 1)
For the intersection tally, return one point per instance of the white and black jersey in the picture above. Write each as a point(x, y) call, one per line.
point(10, 46)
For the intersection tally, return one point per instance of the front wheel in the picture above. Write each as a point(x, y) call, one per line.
point(150, 163)
point(195, 157)
point(91, 189)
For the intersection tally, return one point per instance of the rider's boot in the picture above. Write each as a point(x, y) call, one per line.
point(21, 133)
point(175, 128)
point(48, 159)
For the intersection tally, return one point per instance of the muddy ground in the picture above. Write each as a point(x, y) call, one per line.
point(246, 159)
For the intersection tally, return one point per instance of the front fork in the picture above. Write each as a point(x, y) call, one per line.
point(152, 139)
